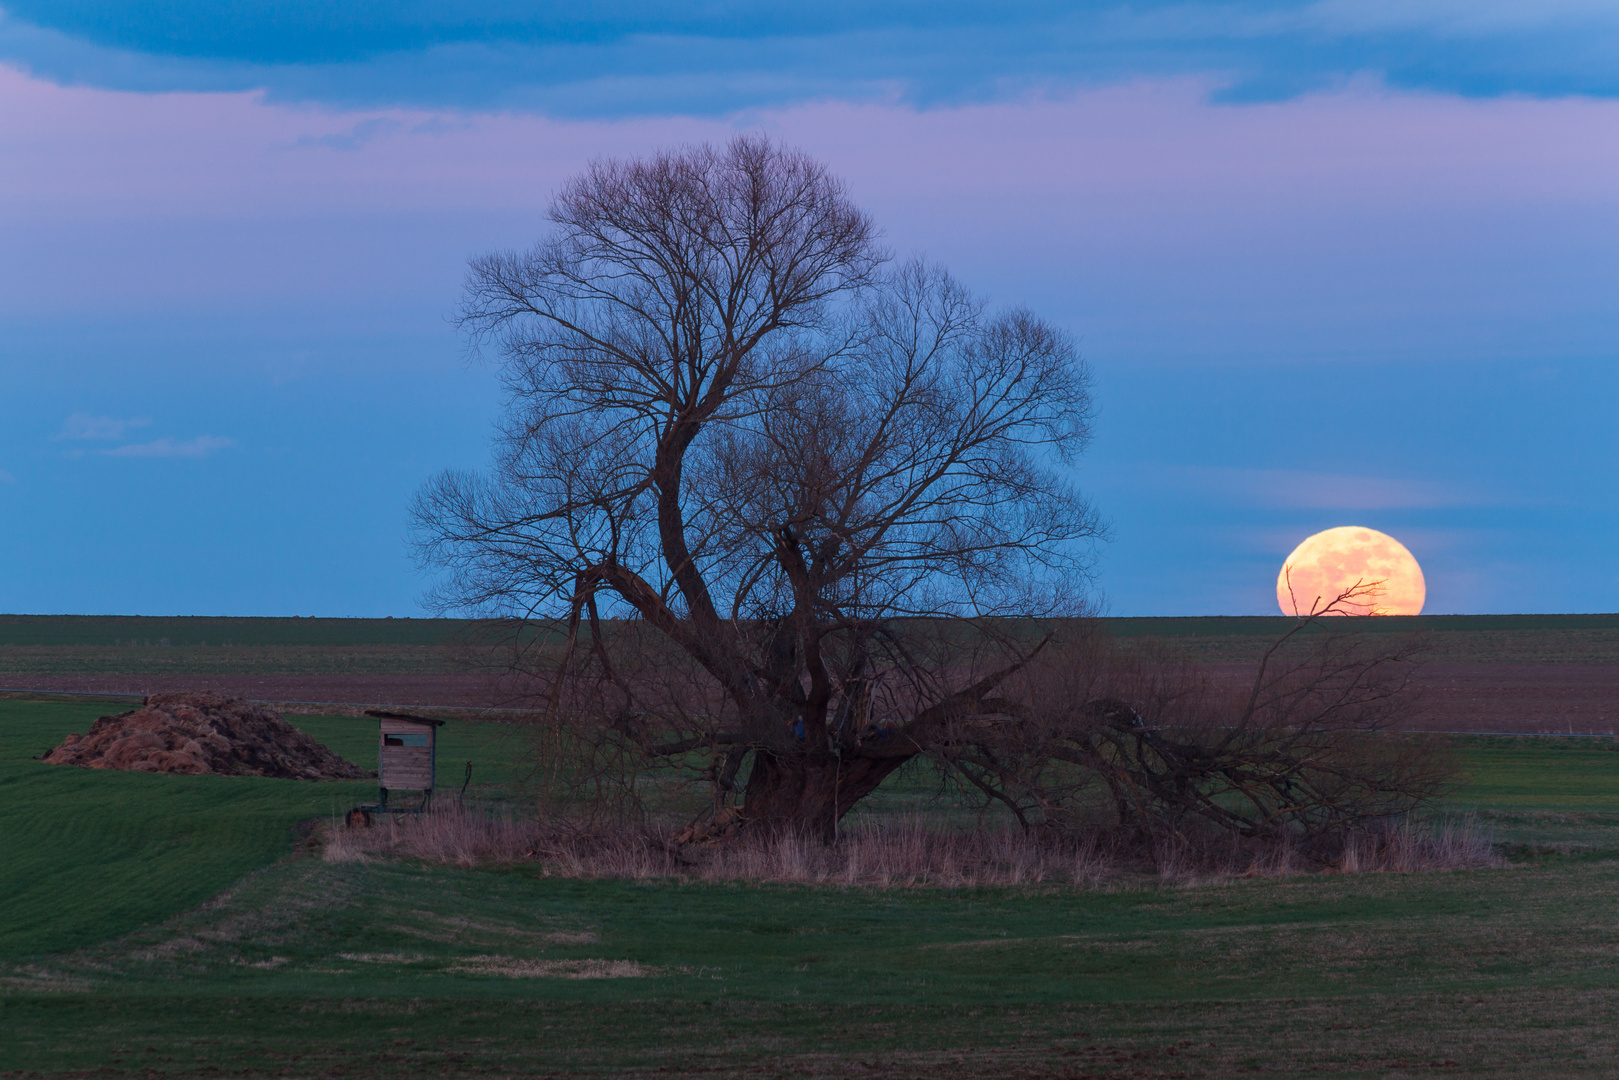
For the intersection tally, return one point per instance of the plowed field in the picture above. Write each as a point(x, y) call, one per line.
point(1580, 699)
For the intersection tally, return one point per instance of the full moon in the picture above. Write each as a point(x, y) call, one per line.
point(1332, 562)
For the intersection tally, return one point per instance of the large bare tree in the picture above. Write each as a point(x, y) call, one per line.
point(830, 483)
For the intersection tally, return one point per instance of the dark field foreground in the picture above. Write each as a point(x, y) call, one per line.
point(179, 926)
point(1539, 1034)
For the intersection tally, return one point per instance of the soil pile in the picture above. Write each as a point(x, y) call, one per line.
point(202, 733)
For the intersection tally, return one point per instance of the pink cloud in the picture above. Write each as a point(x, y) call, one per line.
point(80, 152)
point(200, 447)
point(1301, 489)
point(1141, 212)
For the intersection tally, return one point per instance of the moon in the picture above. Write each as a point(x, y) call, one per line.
point(1331, 562)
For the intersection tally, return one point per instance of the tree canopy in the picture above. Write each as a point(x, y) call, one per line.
point(826, 496)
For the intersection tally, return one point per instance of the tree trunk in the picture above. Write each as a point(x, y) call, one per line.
point(810, 794)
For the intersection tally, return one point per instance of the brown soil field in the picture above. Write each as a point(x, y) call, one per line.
point(462, 690)
point(1542, 698)
point(1567, 698)
point(1580, 699)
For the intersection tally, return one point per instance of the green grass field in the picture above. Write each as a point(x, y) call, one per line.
point(87, 854)
point(175, 926)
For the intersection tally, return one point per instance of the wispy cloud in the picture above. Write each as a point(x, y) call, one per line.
point(200, 447)
point(1296, 489)
point(84, 426)
point(1300, 490)
point(353, 139)
point(1448, 18)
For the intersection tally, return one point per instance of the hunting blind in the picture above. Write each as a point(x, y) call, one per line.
point(406, 761)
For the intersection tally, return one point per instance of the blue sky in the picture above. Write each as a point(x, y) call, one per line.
point(1332, 263)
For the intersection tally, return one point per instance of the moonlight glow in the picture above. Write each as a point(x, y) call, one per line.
point(1331, 562)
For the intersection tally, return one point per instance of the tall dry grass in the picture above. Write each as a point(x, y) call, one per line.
point(1406, 848)
point(908, 851)
point(1400, 847)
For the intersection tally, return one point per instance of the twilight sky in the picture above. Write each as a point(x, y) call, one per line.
point(1332, 263)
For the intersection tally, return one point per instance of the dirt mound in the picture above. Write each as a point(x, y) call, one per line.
point(202, 733)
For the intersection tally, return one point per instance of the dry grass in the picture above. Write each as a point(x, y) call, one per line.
point(1404, 849)
point(519, 968)
point(906, 852)
point(1380, 848)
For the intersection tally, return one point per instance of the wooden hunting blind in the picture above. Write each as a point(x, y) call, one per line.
point(406, 754)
